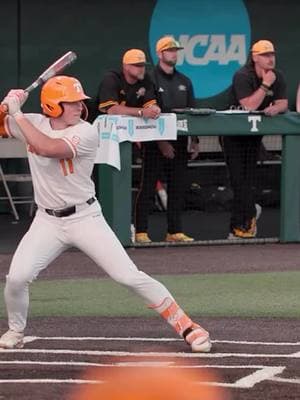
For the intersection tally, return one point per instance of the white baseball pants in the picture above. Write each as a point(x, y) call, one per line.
point(87, 230)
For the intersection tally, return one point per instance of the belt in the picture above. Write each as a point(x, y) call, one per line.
point(65, 212)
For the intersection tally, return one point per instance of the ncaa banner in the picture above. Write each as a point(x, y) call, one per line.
point(215, 36)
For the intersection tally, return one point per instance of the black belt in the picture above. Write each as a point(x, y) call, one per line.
point(65, 212)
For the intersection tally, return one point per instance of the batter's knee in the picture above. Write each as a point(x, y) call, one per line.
point(15, 284)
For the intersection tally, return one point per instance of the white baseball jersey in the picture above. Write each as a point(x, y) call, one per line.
point(66, 182)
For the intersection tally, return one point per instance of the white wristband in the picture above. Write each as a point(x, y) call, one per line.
point(17, 114)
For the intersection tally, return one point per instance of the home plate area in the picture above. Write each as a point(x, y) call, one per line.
point(55, 365)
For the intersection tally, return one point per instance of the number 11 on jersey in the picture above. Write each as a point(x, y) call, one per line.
point(67, 166)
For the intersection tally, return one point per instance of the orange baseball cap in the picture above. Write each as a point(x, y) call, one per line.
point(262, 47)
point(166, 43)
point(134, 56)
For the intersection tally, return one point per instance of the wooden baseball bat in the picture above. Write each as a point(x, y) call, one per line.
point(55, 68)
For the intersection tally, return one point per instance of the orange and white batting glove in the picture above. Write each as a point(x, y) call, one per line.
point(15, 100)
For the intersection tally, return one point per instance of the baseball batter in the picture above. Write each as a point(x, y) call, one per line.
point(61, 152)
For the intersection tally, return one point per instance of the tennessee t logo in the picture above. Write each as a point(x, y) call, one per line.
point(253, 120)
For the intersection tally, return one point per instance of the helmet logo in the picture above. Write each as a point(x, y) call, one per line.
point(78, 87)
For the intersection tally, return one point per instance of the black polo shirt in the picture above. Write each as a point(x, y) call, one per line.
point(245, 82)
point(173, 90)
point(114, 89)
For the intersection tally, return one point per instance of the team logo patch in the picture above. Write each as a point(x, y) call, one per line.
point(75, 140)
point(141, 92)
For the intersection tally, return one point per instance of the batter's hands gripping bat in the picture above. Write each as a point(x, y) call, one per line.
point(57, 67)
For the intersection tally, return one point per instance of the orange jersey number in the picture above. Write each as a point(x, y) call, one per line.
point(67, 166)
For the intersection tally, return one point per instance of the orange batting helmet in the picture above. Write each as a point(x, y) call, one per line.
point(60, 89)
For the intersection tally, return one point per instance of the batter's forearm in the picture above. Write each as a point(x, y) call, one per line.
point(32, 135)
point(41, 143)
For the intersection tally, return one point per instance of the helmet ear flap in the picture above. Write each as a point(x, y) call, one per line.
point(52, 109)
point(85, 111)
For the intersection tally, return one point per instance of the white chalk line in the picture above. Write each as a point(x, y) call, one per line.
point(247, 382)
point(263, 372)
point(286, 380)
point(29, 339)
point(153, 364)
point(148, 354)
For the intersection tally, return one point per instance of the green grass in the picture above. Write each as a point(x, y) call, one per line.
point(245, 295)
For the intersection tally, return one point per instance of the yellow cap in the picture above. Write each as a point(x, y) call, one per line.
point(134, 56)
point(166, 43)
point(263, 46)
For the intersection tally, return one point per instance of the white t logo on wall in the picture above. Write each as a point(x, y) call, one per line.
point(253, 120)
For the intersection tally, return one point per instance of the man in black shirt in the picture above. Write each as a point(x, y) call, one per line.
point(174, 90)
point(256, 86)
point(130, 91)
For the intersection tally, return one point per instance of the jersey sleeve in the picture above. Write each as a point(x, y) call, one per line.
point(82, 139)
point(109, 92)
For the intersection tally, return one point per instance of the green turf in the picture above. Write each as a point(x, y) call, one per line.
point(246, 295)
